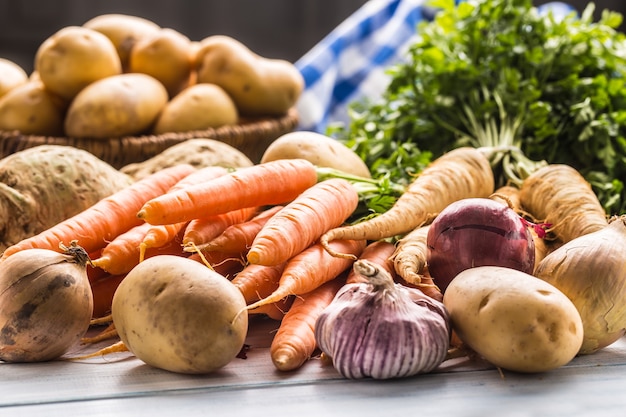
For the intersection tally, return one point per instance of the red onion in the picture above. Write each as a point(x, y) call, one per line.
point(477, 232)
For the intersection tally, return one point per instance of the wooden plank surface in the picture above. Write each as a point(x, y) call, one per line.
point(121, 385)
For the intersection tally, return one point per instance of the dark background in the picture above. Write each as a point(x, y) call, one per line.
point(284, 29)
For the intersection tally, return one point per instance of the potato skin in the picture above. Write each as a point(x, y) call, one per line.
point(11, 76)
point(177, 314)
point(73, 58)
point(318, 149)
point(116, 106)
point(123, 30)
point(198, 107)
point(259, 86)
point(167, 56)
point(514, 320)
point(33, 110)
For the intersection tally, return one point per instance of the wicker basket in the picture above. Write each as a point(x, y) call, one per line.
point(251, 137)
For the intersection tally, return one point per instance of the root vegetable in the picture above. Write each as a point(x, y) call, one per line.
point(198, 153)
point(275, 182)
point(46, 303)
point(461, 173)
point(321, 150)
point(514, 320)
point(560, 196)
point(302, 221)
point(44, 185)
point(108, 218)
point(179, 315)
point(294, 342)
point(591, 271)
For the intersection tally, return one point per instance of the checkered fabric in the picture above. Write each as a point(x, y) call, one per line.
point(350, 62)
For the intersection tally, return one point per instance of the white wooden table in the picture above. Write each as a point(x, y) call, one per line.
point(121, 385)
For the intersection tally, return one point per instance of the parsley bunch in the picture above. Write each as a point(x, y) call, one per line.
point(499, 75)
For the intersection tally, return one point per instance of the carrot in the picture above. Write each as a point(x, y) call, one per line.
point(258, 281)
point(461, 173)
point(559, 196)
point(275, 182)
point(379, 253)
point(116, 347)
point(124, 252)
point(204, 229)
point(409, 258)
point(275, 311)
point(224, 263)
point(300, 223)
point(239, 237)
point(294, 342)
point(94, 273)
point(159, 235)
point(106, 219)
point(311, 268)
point(103, 290)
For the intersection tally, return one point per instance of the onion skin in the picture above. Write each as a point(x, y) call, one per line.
point(46, 304)
point(477, 232)
point(591, 271)
point(383, 331)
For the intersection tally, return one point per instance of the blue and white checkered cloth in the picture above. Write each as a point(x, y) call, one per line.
point(349, 64)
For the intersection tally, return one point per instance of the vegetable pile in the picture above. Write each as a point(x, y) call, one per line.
point(484, 252)
point(497, 74)
point(282, 239)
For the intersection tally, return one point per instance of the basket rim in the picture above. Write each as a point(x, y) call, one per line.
point(287, 121)
point(251, 137)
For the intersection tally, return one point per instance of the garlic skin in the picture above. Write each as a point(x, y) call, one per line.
point(382, 330)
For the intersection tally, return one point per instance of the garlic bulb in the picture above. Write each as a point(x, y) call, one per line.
point(46, 303)
point(591, 271)
point(381, 329)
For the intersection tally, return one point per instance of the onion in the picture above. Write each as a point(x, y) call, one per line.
point(477, 232)
point(591, 271)
point(46, 303)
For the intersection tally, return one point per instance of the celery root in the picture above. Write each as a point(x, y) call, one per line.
point(43, 185)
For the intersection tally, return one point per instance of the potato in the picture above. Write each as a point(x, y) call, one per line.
point(318, 149)
point(198, 152)
point(11, 76)
point(514, 320)
point(179, 315)
point(259, 86)
point(33, 110)
point(116, 106)
point(199, 107)
point(166, 55)
point(124, 31)
point(75, 57)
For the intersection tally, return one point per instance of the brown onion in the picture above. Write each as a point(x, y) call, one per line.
point(46, 303)
point(591, 271)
